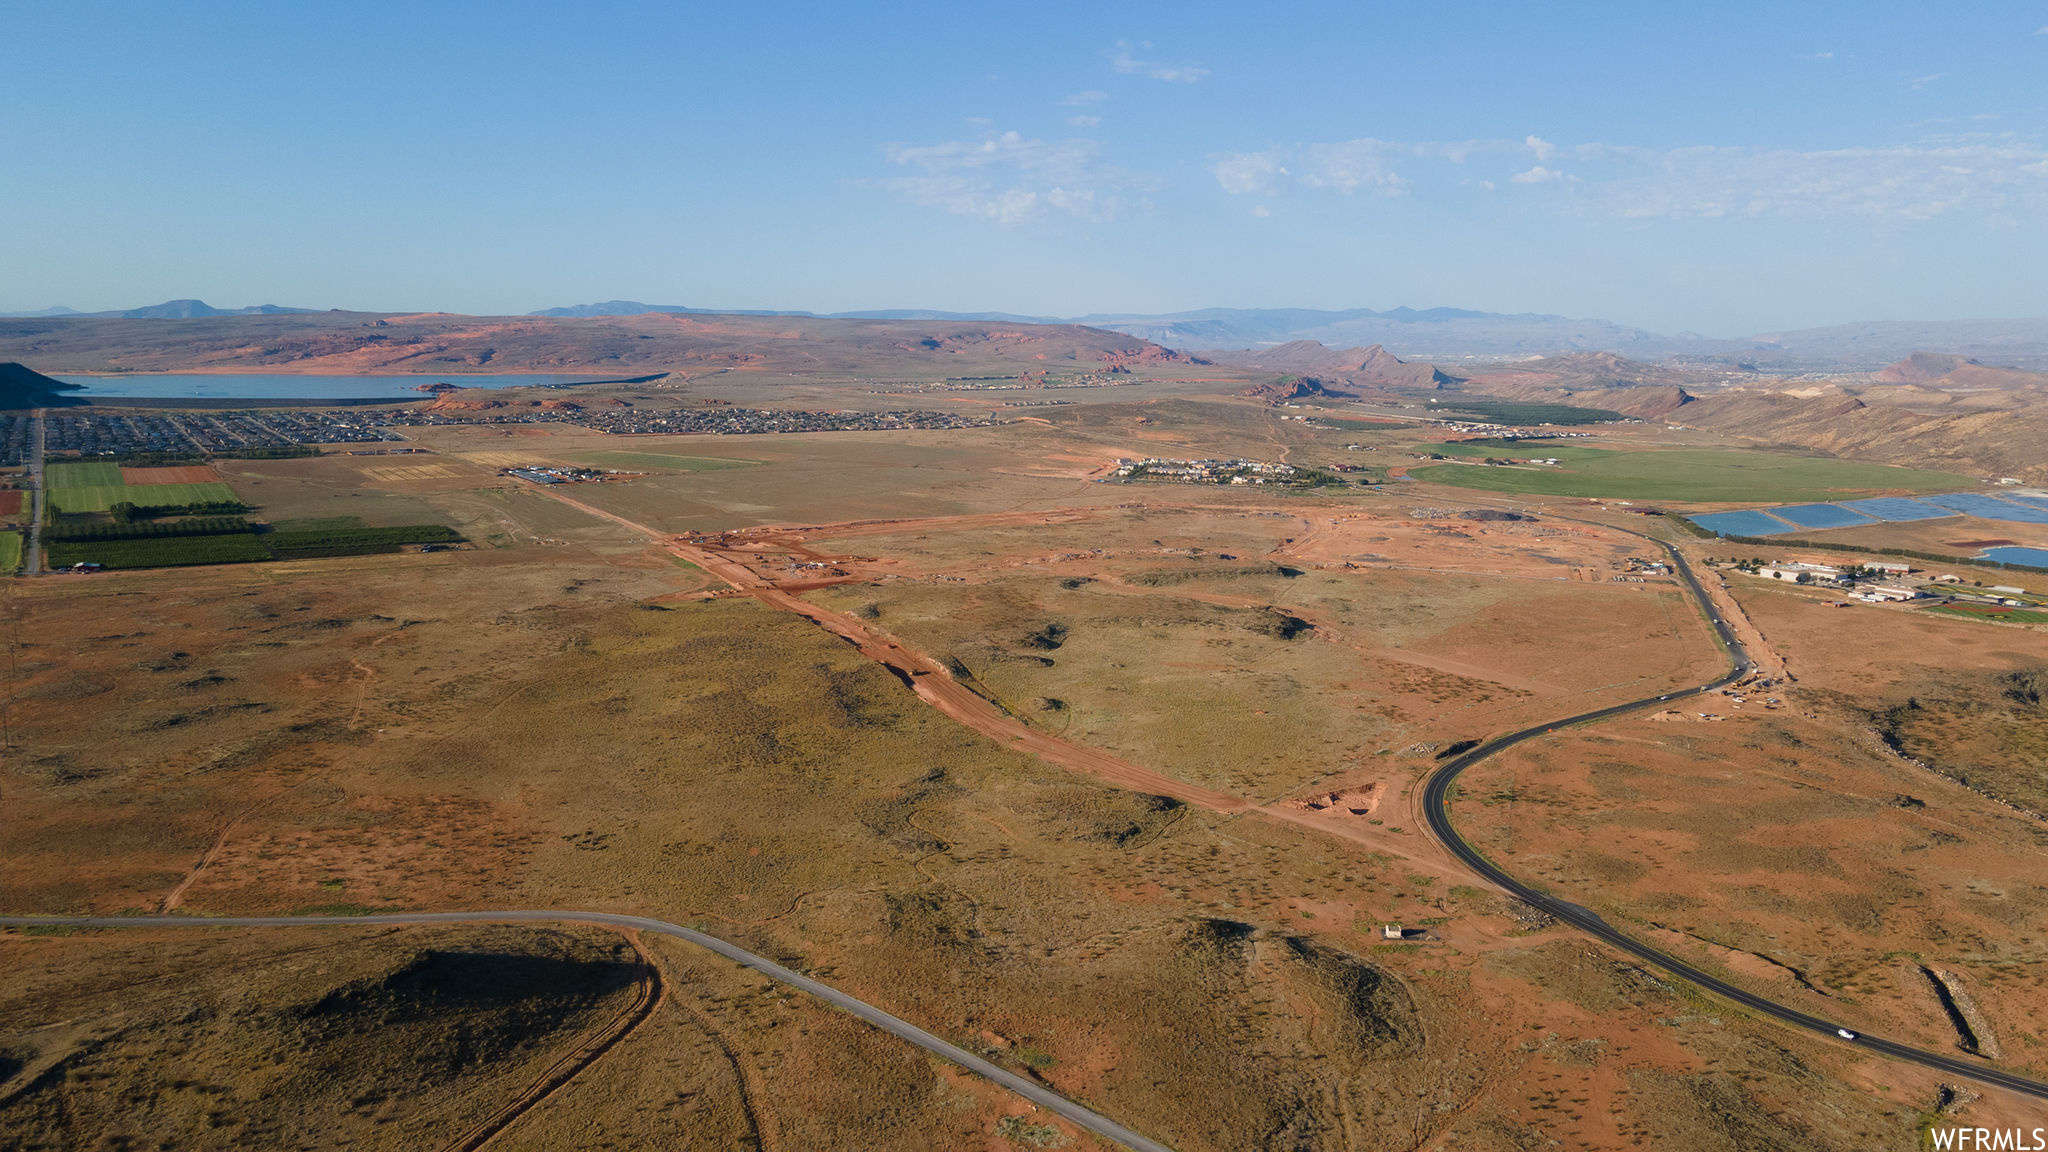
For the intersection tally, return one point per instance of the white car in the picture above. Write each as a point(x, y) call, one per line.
point(1845, 1034)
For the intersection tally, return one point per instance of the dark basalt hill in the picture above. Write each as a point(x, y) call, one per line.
point(24, 387)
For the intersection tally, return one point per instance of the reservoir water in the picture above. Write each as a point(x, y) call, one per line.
point(268, 386)
point(2033, 557)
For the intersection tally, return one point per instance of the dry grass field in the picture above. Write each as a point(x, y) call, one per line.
point(565, 717)
point(1260, 650)
point(353, 744)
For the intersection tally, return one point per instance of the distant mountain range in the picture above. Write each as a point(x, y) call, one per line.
point(635, 308)
point(168, 310)
point(1439, 332)
point(1449, 337)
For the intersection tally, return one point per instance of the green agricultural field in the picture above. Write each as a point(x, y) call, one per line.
point(100, 497)
point(84, 474)
point(159, 552)
point(10, 551)
point(2006, 615)
point(343, 540)
point(1514, 412)
point(1561, 450)
point(1701, 476)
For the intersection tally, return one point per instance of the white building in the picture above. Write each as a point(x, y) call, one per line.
point(1793, 571)
point(1883, 592)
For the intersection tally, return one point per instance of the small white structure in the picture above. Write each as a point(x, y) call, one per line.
point(1890, 567)
point(1392, 931)
point(1885, 592)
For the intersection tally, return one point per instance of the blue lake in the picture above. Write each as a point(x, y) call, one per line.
point(266, 386)
point(2032, 557)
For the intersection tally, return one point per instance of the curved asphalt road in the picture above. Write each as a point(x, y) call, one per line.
point(1036, 1093)
point(1436, 802)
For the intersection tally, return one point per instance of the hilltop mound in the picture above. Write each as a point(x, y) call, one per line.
point(1943, 370)
point(1374, 365)
point(1591, 380)
point(24, 387)
point(1296, 388)
point(372, 1043)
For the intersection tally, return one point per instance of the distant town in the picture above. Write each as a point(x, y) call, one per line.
point(116, 432)
point(1234, 471)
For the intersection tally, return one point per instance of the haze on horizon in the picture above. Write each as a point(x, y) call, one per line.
point(1751, 169)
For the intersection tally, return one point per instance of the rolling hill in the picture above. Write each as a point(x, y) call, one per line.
point(372, 343)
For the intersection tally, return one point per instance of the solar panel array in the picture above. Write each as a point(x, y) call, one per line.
point(1991, 508)
point(1822, 516)
point(1746, 523)
point(1896, 508)
point(2015, 507)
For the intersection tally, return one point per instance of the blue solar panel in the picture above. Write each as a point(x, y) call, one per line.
point(1745, 523)
point(1986, 508)
point(2030, 501)
point(1896, 508)
point(1821, 516)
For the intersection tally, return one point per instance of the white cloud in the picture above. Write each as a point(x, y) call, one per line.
point(1355, 166)
point(2041, 31)
point(1350, 167)
point(1010, 179)
point(1084, 121)
point(1995, 178)
point(1261, 211)
point(1919, 82)
point(1909, 182)
point(1082, 99)
point(1128, 65)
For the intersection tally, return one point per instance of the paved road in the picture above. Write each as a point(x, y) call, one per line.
point(32, 560)
point(1436, 803)
point(1031, 1090)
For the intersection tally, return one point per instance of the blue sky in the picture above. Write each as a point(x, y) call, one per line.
point(1726, 168)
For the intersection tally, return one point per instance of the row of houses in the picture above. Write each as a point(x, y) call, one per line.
point(1206, 471)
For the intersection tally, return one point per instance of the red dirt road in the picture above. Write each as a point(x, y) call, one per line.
point(929, 679)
